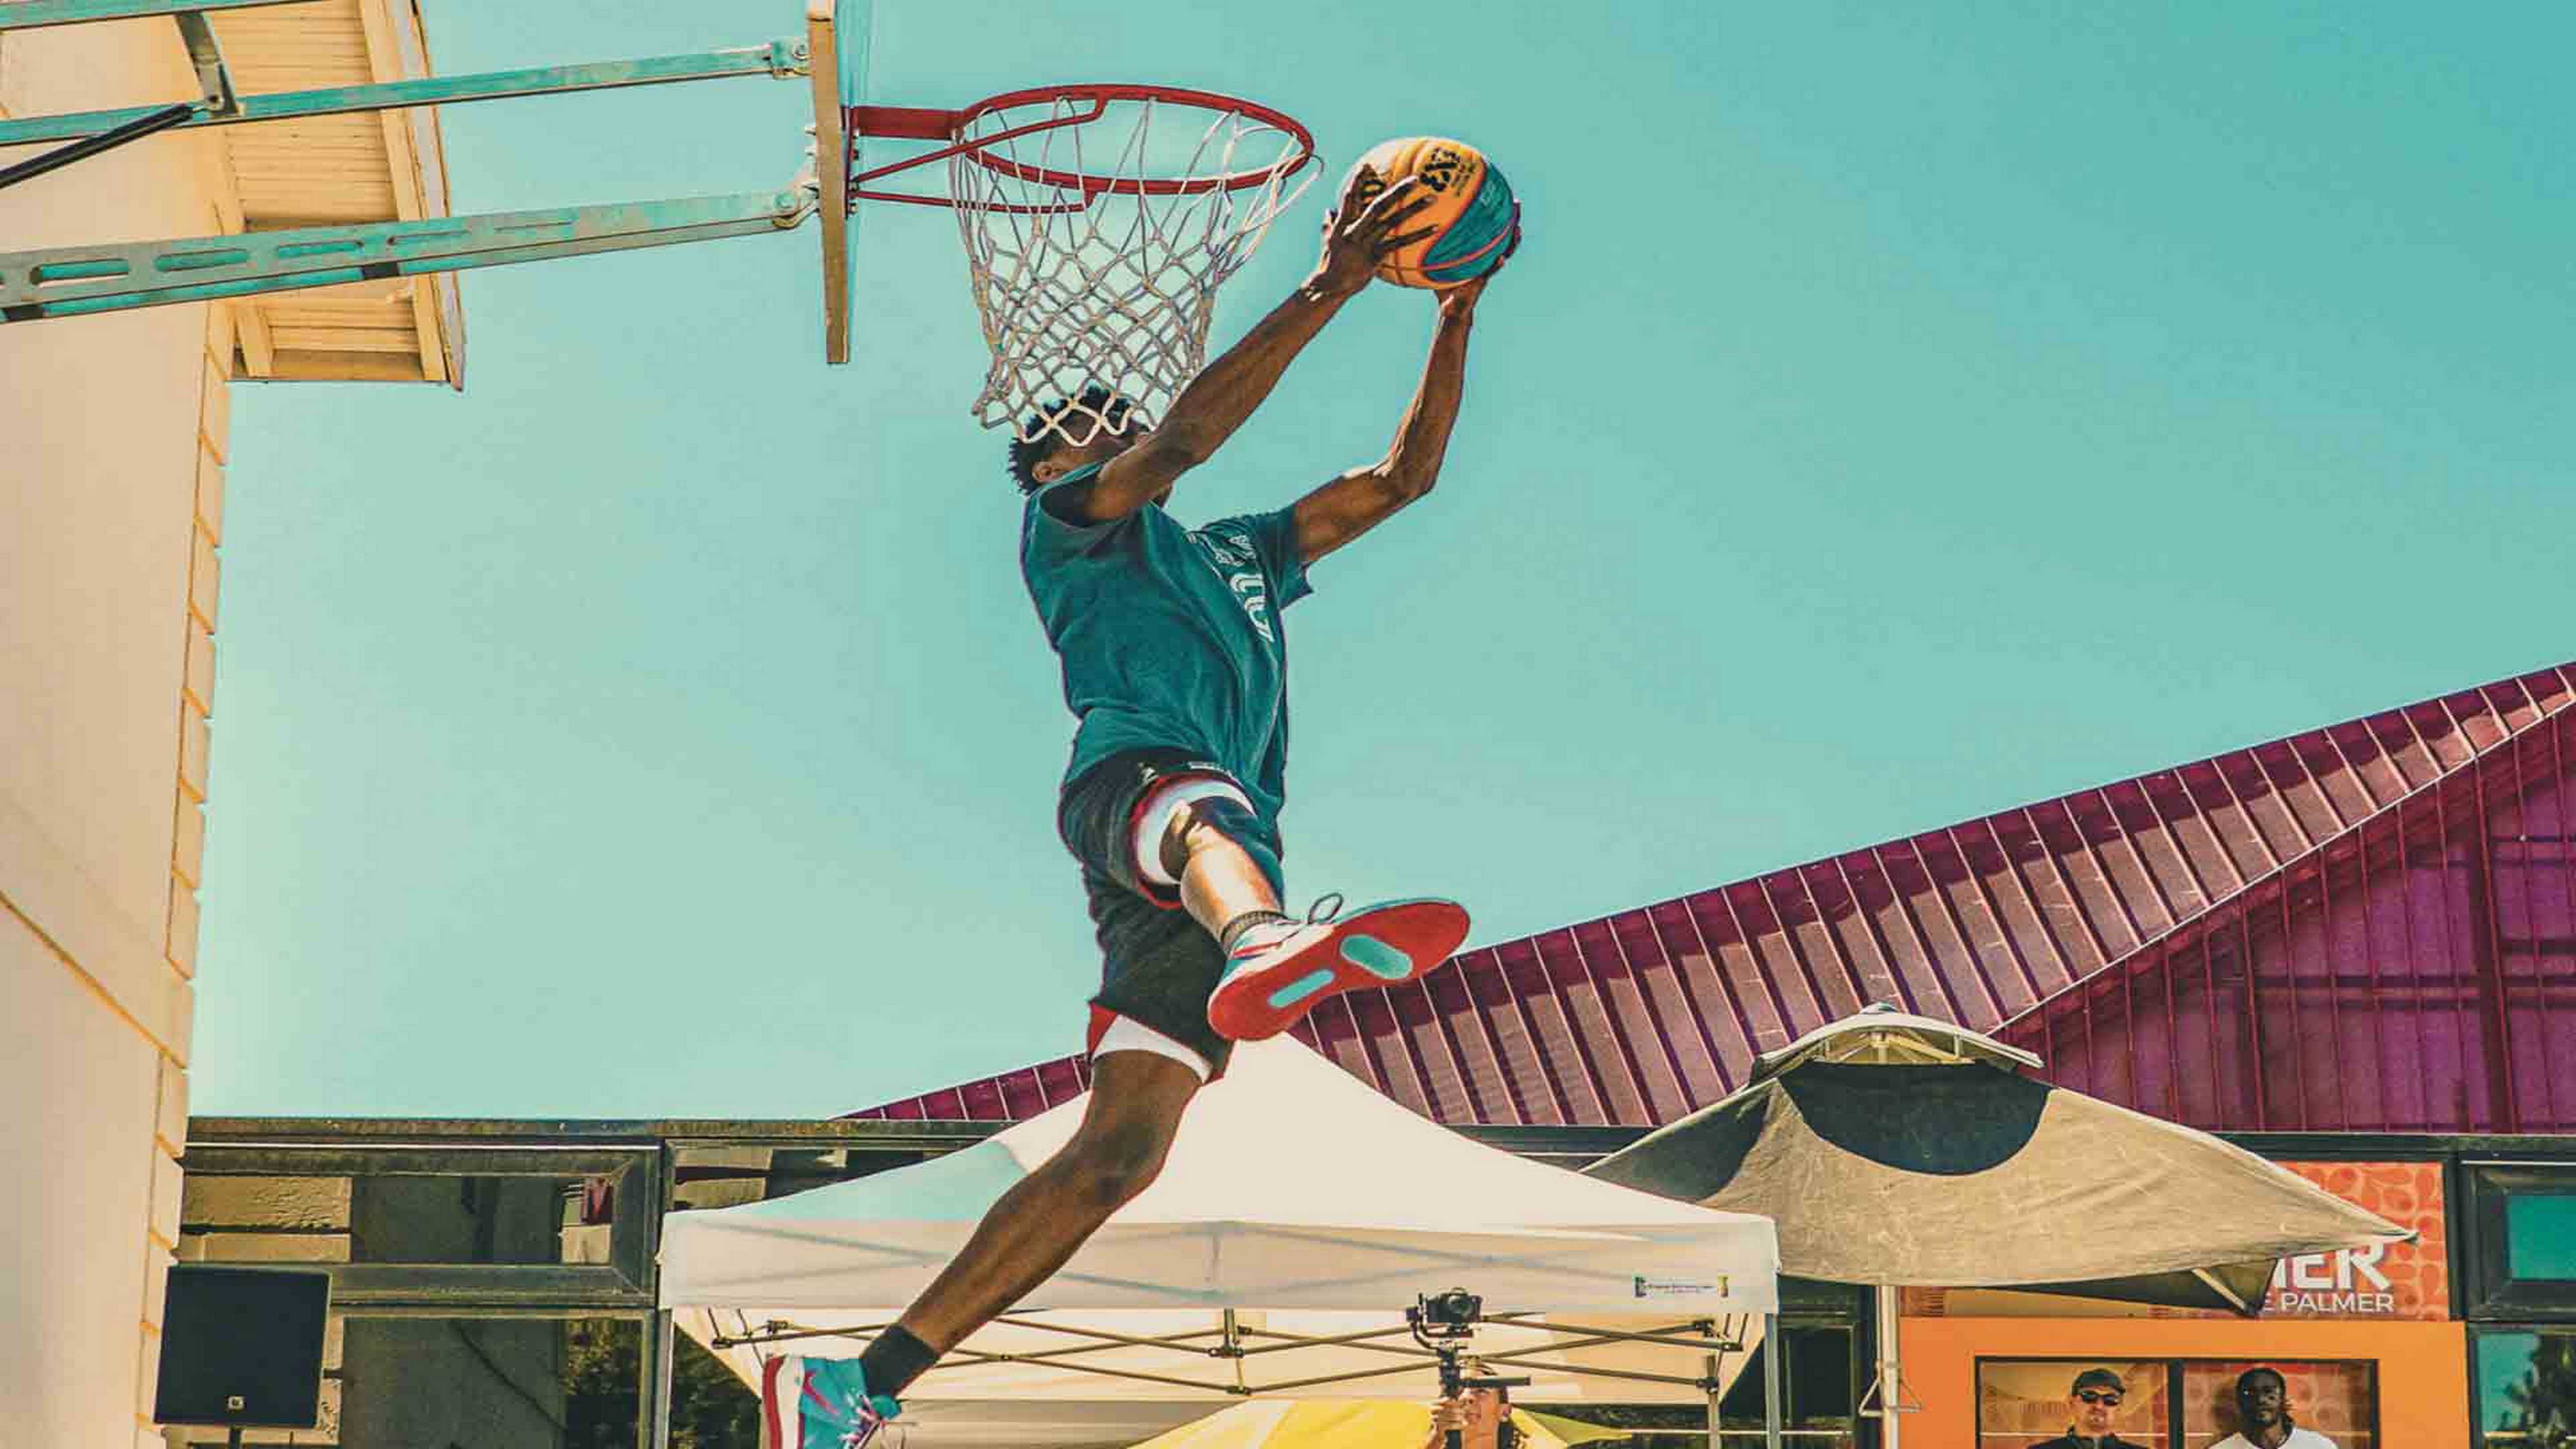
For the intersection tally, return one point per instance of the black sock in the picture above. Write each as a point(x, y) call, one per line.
point(893, 1360)
point(1235, 928)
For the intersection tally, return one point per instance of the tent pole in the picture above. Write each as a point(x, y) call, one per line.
point(1772, 1348)
point(1710, 1362)
point(661, 1357)
point(1891, 1369)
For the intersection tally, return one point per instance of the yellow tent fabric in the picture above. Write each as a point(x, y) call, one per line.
point(1351, 1424)
point(1569, 1432)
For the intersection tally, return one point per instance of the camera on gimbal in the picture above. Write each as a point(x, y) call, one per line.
point(1453, 1314)
point(1443, 1322)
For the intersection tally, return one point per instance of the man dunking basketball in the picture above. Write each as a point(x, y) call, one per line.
point(1174, 663)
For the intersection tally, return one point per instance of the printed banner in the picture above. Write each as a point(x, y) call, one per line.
point(2398, 1281)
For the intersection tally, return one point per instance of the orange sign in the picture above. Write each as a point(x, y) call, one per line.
point(2393, 1281)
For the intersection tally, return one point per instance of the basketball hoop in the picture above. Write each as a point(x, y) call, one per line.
point(1099, 221)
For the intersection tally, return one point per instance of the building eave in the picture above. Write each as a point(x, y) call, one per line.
point(336, 170)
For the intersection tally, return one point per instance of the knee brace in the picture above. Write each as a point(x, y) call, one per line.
point(1229, 815)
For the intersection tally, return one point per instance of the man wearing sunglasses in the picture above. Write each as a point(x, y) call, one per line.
point(2093, 1403)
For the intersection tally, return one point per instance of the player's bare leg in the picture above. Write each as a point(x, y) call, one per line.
point(1278, 967)
point(1033, 1229)
point(1126, 1131)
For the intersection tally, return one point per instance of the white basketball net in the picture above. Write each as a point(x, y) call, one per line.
point(1109, 287)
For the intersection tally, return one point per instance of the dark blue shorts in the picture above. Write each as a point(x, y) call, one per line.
point(1157, 966)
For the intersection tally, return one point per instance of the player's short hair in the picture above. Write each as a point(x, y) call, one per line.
point(1027, 452)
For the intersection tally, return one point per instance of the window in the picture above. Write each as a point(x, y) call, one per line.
point(2521, 1243)
point(2526, 1386)
point(2172, 1403)
point(432, 1225)
point(2540, 1236)
point(1816, 1389)
point(492, 1284)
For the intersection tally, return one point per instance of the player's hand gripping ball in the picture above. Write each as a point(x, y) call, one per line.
point(1473, 220)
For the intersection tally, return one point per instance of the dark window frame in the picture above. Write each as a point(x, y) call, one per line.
point(1857, 1360)
point(2478, 1332)
point(2490, 1293)
point(626, 1281)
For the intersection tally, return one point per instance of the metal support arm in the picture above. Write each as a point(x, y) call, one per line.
point(32, 14)
point(69, 281)
point(779, 58)
point(206, 56)
point(214, 79)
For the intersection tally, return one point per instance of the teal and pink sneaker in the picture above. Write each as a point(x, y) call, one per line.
point(1278, 972)
point(819, 1403)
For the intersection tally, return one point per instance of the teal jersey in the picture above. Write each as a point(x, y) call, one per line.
point(1170, 637)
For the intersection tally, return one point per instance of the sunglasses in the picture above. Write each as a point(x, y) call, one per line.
point(2098, 1396)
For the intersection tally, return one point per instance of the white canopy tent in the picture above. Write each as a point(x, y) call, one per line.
point(1299, 1214)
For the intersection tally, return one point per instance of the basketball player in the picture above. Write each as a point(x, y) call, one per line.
point(1173, 657)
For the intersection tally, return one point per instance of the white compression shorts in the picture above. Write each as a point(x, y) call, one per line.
point(1128, 1035)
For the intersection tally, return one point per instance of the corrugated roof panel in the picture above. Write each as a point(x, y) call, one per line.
point(2415, 973)
point(2218, 943)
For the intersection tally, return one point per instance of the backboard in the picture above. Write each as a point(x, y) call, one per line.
point(836, 39)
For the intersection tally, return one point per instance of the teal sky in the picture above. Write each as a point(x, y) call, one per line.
point(1895, 415)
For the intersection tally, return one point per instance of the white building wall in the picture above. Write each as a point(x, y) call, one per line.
point(112, 442)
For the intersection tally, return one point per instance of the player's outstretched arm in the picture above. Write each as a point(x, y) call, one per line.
point(1363, 498)
point(1216, 402)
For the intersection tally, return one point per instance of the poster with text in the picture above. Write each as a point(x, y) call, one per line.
point(2176, 1403)
point(2389, 1281)
point(2051, 1403)
point(2239, 1404)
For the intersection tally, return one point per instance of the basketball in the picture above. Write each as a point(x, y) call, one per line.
point(1472, 215)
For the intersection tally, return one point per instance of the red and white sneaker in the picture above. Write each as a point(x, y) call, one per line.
point(1277, 972)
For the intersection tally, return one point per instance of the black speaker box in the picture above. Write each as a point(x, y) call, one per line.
point(243, 1346)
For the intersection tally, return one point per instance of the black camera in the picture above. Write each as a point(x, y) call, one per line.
point(1446, 1315)
point(1442, 1323)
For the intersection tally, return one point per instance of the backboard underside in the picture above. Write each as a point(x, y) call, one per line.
point(836, 37)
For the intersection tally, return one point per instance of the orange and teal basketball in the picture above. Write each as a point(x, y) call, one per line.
point(1472, 214)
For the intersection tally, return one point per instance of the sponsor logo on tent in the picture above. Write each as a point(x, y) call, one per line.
point(1677, 1287)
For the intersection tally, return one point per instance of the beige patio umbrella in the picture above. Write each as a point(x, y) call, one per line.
point(1894, 1150)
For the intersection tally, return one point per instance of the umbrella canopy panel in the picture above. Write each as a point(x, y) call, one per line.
point(1966, 1175)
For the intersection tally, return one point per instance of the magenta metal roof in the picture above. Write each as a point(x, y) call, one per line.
point(2369, 926)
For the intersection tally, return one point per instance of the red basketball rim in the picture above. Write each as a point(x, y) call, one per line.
point(1101, 95)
